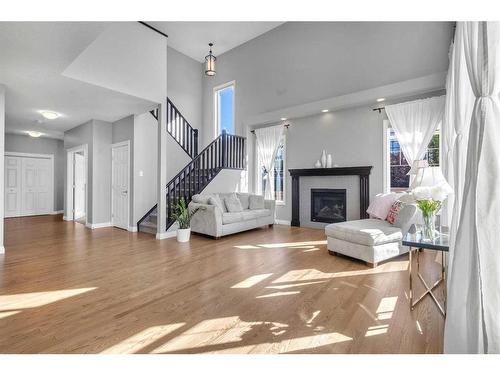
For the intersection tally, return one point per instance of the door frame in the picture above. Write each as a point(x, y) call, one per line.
point(69, 214)
point(113, 146)
point(37, 156)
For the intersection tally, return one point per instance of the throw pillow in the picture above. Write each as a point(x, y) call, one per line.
point(201, 199)
point(394, 211)
point(215, 201)
point(244, 200)
point(233, 204)
point(380, 206)
point(256, 202)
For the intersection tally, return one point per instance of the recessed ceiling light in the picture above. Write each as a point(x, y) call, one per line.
point(380, 100)
point(283, 119)
point(324, 110)
point(50, 115)
point(34, 134)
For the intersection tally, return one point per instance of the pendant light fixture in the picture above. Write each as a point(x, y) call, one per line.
point(210, 62)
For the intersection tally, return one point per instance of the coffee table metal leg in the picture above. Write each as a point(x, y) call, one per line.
point(411, 283)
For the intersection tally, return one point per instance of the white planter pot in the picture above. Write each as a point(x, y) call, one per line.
point(183, 235)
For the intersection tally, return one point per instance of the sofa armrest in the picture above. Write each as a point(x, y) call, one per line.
point(270, 205)
point(207, 220)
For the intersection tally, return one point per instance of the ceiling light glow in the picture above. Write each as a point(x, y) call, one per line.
point(380, 100)
point(324, 110)
point(34, 134)
point(283, 119)
point(50, 115)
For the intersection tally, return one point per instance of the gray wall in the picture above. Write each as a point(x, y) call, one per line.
point(354, 137)
point(145, 163)
point(301, 62)
point(123, 130)
point(2, 144)
point(27, 144)
point(101, 196)
point(81, 135)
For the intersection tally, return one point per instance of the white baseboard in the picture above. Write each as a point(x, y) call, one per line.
point(2, 250)
point(163, 236)
point(132, 229)
point(57, 212)
point(283, 222)
point(99, 225)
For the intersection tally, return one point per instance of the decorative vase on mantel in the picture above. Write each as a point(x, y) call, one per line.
point(317, 164)
point(323, 159)
point(329, 161)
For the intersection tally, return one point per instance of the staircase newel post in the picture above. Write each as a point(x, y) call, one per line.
point(224, 148)
point(195, 142)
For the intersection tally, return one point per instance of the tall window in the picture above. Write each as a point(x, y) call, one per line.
point(398, 166)
point(224, 108)
point(278, 175)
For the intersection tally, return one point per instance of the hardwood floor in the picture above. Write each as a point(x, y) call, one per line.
point(67, 289)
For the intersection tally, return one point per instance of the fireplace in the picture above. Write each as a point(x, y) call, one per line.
point(328, 205)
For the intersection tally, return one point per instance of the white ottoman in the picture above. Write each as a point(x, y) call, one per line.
point(370, 240)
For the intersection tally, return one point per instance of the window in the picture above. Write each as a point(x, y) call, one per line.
point(398, 167)
point(224, 108)
point(279, 174)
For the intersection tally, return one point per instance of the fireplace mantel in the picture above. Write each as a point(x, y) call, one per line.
point(364, 186)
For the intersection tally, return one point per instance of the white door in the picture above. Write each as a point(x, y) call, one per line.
point(28, 183)
point(79, 186)
point(120, 186)
point(12, 186)
point(43, 186)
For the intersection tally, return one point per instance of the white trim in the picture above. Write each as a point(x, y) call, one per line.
point(282, 222)
point(215, 104)
point(132, 229)
point(57, 212)
point(116, 145)
point(2, 250)
point(69, 216)
point(98, 225)
point(386, 167)
point(52, 184)
point(163, 236)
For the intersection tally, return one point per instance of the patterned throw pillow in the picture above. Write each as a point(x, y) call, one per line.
point(393, 212)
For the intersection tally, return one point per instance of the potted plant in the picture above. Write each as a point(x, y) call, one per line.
point(183, 217)
point(430, 199)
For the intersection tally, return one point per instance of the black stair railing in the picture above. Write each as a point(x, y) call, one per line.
point(227, 151)
point(180, 129)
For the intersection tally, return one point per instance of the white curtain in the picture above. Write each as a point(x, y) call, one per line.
point(414, 124)
point(473, 320)
point(268, 140)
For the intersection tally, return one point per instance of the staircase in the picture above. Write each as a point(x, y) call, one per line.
point(227, 151)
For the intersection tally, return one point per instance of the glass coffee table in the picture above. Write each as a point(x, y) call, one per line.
point(415, 241)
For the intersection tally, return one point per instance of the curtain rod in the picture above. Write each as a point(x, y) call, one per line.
point(153, 28)
point(286, 126)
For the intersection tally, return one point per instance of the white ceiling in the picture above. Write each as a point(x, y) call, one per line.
point(33, 56)
point(192, 38)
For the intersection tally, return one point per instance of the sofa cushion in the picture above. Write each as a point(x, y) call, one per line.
point(201, 198)
point(255, 214)
point(369, 232)
point(233, 204)
point(381, 205)
point(244, 200)
point(232, 217)
point(215, 200)
point(256, 202)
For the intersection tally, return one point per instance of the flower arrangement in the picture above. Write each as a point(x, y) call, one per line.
point(430, 199)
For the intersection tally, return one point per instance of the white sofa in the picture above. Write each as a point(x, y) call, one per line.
point(371, 240)
point(215, 220)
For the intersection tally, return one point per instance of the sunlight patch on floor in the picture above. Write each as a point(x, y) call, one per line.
point(386, 308)
point(251, 281)
point(377, 330)
point(279, 294)
point(293, 244)
point(209, 332)
point(247, 247)
point(5, 314)
point(313, 274)
point(36, 299)
point(135, 343)
point(286, 286)
point(419, 328)
point(289, 345)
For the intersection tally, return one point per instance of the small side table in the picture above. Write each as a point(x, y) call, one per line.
point(416, 243)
